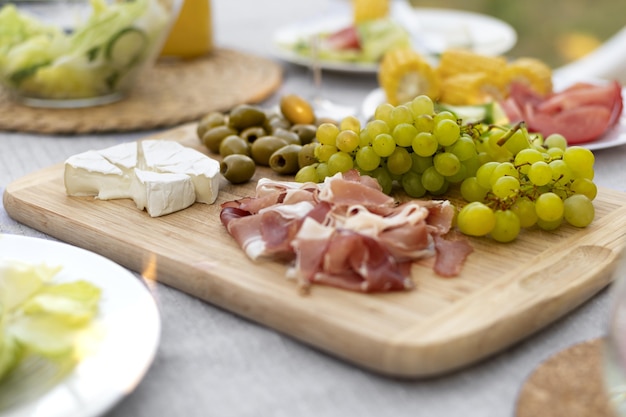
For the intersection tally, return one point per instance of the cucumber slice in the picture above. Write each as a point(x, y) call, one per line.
point(126, 47)
point(490, 113)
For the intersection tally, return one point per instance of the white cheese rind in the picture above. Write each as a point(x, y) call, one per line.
point(160, 176)
point(172, 157)
point(154, 191)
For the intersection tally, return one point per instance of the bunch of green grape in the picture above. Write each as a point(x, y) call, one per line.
point(510, 179)
point(528, 181)
point(409, 145)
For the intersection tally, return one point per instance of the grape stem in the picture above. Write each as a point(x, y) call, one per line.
point(511, 132)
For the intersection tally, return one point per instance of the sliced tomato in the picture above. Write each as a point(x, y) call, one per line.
point(347, 38)
point(579, 125)
point(581, 95)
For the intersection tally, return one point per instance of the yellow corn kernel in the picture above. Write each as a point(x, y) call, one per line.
point(533, 72)
point(470, 88)
point(369, 9)
point(404, 74)
point(458, 61)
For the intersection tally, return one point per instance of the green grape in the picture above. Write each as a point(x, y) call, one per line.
point(446, 163)
point(549, 225)
point(518, 141)
point(556, 140)
point(494, 149)
point(578, 210)
point(383, 144)
point(483, 158)
point(347, 140)
point(383, 112)
point(420, 163)
point(459, 176)
point(549, 207)
point(503, 169)
point(404, 133)
point(412, 184)
point(476, 219)
point(472, 165)
point(422, 105)
point(463, 148)
point(364, 138)
point(324, 152)
point(383, 178)
point(472, 191)
point(555, 153)
point(506, 187)
point(399, 161)
point(507, 226)
point(400, 114)
point(350, 123)
point(376, 127)
point(446, 131)
point(367, 159)
point(307, 174)
point(425, 144)
point(524, 208)
point(525, 158)
point(441, 190)
point(424, 123)
point(483, 174)
point(540, 173)
point(444, 115)
point(580, 161)
point(586, 187)
point(340, 162)
point(322, 171)
point(432, 180)
point(561, 173)
point(327, 133)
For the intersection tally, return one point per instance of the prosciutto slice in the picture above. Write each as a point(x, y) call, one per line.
point(344, 233)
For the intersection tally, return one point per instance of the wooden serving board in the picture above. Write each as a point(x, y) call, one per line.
point(504, 293)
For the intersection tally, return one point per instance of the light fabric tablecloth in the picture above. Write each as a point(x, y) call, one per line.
point(213, 363)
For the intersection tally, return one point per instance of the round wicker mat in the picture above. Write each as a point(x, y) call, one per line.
point(567, 384)
point(170, 93)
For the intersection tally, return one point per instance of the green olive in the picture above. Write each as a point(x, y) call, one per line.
point(210, 120)
point(214, 136)
point(306, 133)
point(237, 168)
point(234, 144)
point(289, 136)
point(285, 160)
point(245, 115)
point(296, 109)
point(262, 148)
point(253, 133)
point(275, 122)
point(306, 156)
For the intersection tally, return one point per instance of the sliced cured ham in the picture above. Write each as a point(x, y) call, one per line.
point(582, 113)
point(344, 233)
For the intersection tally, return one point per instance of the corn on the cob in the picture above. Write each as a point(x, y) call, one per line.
point(461, 61)
point(369, 9)
point(533, 72)
point(404, 74)
point(470, 88)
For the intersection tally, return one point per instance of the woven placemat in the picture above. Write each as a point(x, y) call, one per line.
point(170, 93)
point(570, 384)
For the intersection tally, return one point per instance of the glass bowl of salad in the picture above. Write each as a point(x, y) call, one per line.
point(79, 53)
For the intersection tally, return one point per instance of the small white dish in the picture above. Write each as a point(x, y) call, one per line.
point(128, 322)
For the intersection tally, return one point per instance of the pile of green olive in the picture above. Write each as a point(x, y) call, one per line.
point(249, 135)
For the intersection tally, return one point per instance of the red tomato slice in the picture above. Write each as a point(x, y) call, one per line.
point(347, 38)
point(578, 125)
point(581, 95)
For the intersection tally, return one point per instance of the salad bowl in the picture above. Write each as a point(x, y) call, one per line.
point(79, 53)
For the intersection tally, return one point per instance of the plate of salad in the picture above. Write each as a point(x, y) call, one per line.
point(342, 45)
point(77, 331)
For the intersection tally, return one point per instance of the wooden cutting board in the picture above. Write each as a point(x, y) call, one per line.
point(504, 293)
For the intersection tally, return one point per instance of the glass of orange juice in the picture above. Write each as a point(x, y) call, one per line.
point(191, 35)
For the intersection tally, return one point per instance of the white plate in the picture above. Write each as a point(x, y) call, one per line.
point(128, 321)
point(612, 138)
point(433, 30)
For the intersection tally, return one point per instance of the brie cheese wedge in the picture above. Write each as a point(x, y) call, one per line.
point(160, 176)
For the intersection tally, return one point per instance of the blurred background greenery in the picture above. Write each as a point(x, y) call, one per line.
point(555, 31)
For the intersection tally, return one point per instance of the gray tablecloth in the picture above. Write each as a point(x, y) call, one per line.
point(213, 363)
